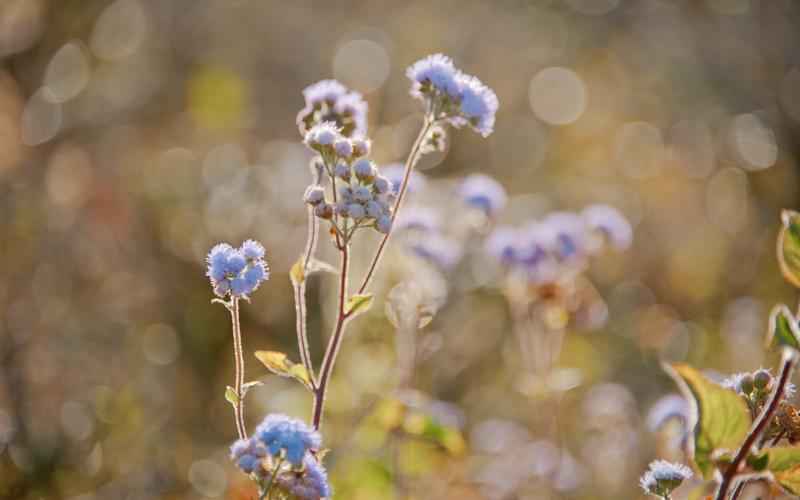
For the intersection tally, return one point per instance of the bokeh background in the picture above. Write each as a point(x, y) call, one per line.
point(134, 134)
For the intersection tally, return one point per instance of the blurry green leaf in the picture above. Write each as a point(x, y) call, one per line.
point(789, 247)
point(358, 304)
point(231, 396)
point(783, 328)
point(279, 364)
point(427, 427)
point(316, 265)
point(297, 273)
point(758, 462)
point(720, 421)
point(784, 464)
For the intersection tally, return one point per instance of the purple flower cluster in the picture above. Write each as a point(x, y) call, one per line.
point(559, 246)
point(484, 193)
point(309, 484)
point(237, 271)
point(363, 197)
point(330, 101)
point(453, 96)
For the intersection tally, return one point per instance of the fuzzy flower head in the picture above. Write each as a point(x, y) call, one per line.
point(394, 174)
point(663, 477)
point(484, 193)
point(248, 455)
point(310, 483)
point(322, 137)
point(237, 272)
point(441, 251)
point(611, 224)
point(452, 96)
point(329, 100)
point(282, 434)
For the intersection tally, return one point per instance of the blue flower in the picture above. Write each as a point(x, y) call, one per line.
point(237, 272)
point(247, 454)
point(611, 223)
point(281, 433)
point(479, 104)
point(309, 484)
point(484, 193)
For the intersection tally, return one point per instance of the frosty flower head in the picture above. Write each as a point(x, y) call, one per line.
point(282, 434)
point(663, 477)
point(479, 104)
point(484, 193)
point(329, 100)
point(248, 455)
point(394, 174)
point(611, 224)
point(452, 96)
point(310, 483)
point(322, 137)
point(314, 195)
point(237, 272)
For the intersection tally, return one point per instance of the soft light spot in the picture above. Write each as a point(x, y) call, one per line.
point(693, 148)
point(160, 344)
point(754, 142)
point(69, 176)
point(41, 118)
point(67, 73)
point(21, 24)
point(208, 478)
point(119, 30)
point(217, 98)
point(362, 65)
point(557, 96)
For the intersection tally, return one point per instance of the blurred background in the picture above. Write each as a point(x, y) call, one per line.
point(135, 134)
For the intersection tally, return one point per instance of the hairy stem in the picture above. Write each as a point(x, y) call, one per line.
point(738, 490)
point(788, 361)
point(238, 408)
point(411, 161)
point(300, 291)
point(335, 341)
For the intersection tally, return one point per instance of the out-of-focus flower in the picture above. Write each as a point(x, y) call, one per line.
point(236, 271)
point(248, 454)
point(483, 192)
point(281, 433)
point(479, 104)
point(329, 100)
point(441, 251)
point(418, 219)
point(394, 173)
point(663, 477)
point(665, 409)
point(611, 223)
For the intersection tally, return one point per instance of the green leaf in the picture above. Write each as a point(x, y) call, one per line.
point(758, 462)
point(249, 385)
point(358, 304)
point(783, 328)
point(720, 418)
point(279, 364)
point(784, 464)
point(789, 247)
point(231, 396)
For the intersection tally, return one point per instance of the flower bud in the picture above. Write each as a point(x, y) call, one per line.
point(343, 148)
point(361, 147)
point(324, 211)
point(762, 380)
point(362, 194)
point(357, 211)
point(365, 171)
point(342, 171)
point(383, 224)
point(746, 384)
point(314, 195)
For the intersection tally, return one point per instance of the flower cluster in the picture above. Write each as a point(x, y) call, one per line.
point(558, 247)
point(663, 477)
point(284, 447)
point(330, 101)
point(237, 271)
point(452, 96)
point(484, 193)
point(362, 197)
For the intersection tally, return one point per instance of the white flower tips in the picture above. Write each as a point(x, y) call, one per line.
point(330, 101)
point(314, 195)
point(663, 477)
point(452, 96)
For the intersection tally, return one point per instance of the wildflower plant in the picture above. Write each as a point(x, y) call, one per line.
point(744, 428)
point(347, 194)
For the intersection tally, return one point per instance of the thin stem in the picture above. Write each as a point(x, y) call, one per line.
point(738, 490)
point(335, 341)
point(267, 492)
point(300, 290)
point(238, 408)
point(788, 362)
point(411, 161)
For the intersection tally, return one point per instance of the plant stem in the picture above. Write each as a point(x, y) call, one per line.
point(238, 408)
point(738, 490)
point(300, 292)
point(788, 361)
point(335, 341)
point(411, 161)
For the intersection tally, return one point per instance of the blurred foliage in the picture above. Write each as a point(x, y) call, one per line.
point(137, 133)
